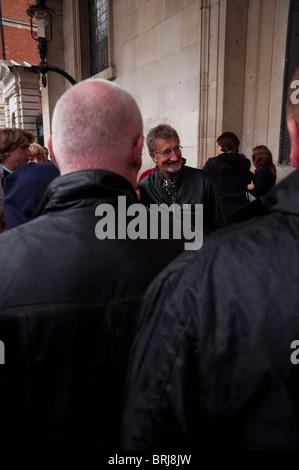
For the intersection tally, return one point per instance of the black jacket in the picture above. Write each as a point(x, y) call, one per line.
point(215, 364)
point(193, 187)
point(263, 180)
point(231, 175)
point(67, 312)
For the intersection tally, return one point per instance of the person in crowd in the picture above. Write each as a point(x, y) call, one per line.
point(38, 153)
point(24, 190)
point(176, 183)
point(72, 278)
point(14, 152)
point(47, 154)
point(216, 356)
point(230, 171)
point(265, 174)
point(264, 180)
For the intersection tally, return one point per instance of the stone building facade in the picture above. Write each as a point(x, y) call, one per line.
point(21, 100)
point(203, 66)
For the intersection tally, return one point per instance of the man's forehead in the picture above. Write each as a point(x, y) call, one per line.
point(167, 142)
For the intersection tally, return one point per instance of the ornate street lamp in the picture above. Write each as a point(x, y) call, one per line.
point(42, 15)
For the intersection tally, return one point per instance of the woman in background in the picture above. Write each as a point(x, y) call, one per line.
point(264, 176)
point(38, 153)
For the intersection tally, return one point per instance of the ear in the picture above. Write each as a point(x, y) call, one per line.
point(50, 147)
point(294, 136)
point(154, 158)
point(137, 151)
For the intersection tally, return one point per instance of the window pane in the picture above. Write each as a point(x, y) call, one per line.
point(98, 35)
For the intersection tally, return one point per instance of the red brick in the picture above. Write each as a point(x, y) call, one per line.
point(19, 45)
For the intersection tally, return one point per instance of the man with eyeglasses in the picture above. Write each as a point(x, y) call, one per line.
point(176, 183)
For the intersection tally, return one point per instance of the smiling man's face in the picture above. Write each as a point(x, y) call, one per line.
point(168, 157)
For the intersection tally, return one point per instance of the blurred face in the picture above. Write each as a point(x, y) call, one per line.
point(168, 157)
point(18, 157)
point(36, 159)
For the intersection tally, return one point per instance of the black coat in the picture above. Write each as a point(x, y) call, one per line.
point(231, 175)
point(263, 180)
point(214, 364)
point(68, 303)
point(193, 187)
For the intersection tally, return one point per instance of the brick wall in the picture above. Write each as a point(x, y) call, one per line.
point(16, 9)
point(19, 45)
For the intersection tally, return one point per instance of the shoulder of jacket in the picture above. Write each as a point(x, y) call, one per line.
point(191, 169)
point(211, 162)
point(148, 179)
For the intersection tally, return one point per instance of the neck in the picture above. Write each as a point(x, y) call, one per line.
point(169, 176)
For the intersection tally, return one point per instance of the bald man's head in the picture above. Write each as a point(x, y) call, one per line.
point(96, 124)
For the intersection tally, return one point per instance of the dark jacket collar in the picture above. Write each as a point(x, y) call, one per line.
point(85, 187)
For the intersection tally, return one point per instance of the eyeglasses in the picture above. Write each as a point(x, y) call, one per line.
point(168, 152)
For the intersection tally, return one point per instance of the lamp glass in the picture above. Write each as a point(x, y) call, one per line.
point(41, 18)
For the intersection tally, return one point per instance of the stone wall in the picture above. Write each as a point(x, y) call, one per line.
point(203, 66)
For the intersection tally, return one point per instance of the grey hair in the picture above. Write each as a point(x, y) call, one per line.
point(162, 131)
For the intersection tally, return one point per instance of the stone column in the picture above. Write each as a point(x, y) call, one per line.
point(222, 63)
